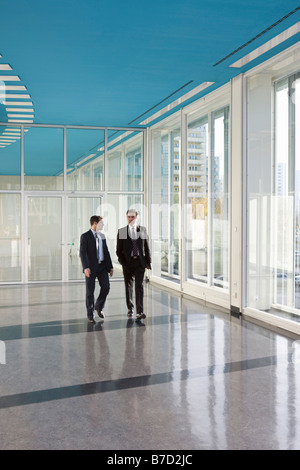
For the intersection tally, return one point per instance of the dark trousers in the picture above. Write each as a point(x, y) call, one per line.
point(103, 279)
point(134, 272)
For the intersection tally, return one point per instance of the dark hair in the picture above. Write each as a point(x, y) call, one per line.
point(132, 210)
point(95, 218)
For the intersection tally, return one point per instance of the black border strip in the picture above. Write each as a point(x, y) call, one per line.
point(157, 104)
point(258, 35)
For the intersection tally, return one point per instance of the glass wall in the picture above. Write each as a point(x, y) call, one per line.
point(10, 237)
point(166, 203)
point(44, 238)
point(205, 215)
point(63, 169)
point(10, 157)
point(125, 162)
point(273, 184)
point(198, 149)
point(220, 230)
point(287, 190)
point(207, 198)
point(85, 159)
point(259, 185)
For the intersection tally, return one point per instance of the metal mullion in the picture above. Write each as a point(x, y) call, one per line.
point(24, 225)
point(183, 199)
point(209, 199)
point(292, 173)
point(65, 158)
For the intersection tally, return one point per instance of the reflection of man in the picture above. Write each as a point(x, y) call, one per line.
point(96, 263)
point(133, 253)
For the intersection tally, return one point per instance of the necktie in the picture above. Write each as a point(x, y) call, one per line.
point(97, 245)
point(99, 248)
point(135, 251)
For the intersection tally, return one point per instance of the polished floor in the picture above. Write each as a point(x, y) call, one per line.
point(188, 377)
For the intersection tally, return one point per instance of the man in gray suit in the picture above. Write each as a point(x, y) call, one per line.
point(134, 255)
point(96, 263)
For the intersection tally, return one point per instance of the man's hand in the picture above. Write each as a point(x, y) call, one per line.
point(111, 272)
point(87, 272)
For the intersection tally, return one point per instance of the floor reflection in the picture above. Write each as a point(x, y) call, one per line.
point(187, 377)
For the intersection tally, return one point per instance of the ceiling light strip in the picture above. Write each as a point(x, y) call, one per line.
point(20, 115)
point(13, 87)
point(175, 103)
point(22, 110)
point(19, 97)
point(17, 103)
point(20, 120)
point(17, 130)
point(9, 136)
point(9, 78)
point(267, 46)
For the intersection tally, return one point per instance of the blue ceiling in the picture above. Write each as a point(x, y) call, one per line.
point(116, 63)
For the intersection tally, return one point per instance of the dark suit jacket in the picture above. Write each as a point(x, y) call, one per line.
point(124, 246)
point(88, 252)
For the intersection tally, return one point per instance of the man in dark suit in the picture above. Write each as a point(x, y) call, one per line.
point(134, 255)
point(96, 263)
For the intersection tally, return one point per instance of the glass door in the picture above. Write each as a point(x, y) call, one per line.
point(54, 227)
point(79, 212)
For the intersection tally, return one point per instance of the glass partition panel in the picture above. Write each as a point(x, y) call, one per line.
point(260, 234)
point(10, 237)
point(165, 204)
point(43, 159)
point(273, 194)
point(134, 164)
point(85, 159)
point(284, 200)
point(220, 198)
point(115, 169)
point(125, 161)
point(197, 198)
point(287, 188)
point(207, 198)
point(44, 238)
point(10, 158)
point(296, 99)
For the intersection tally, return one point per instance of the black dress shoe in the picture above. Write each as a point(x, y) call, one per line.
point(91, 320)
point(101, 314)
point(140, 315)
point(130, 313)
